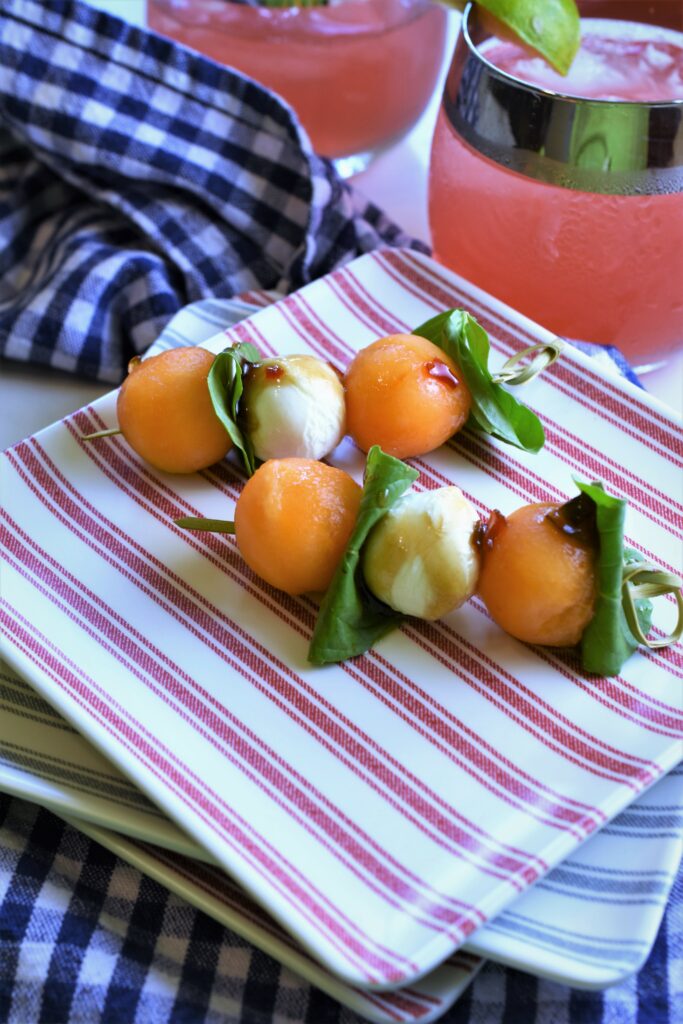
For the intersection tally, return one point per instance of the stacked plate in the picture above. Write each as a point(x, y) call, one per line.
point(382, 824)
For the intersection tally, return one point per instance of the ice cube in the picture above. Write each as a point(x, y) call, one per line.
point(658, 57)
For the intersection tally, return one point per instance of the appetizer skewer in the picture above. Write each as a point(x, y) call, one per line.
point(184, 409)
point(550, 574)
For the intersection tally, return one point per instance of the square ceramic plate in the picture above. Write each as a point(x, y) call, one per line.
point(626, 869)
point(42, 759)
point(384, 809)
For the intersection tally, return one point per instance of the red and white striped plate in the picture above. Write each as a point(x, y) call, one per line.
point(382, 809)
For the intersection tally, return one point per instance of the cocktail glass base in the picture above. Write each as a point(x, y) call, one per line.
point(652, 365)
point(354, 163)
point(347, 166)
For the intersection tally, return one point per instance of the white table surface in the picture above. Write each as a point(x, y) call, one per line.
point(32, 398)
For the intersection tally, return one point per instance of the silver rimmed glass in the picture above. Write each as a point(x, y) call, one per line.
point(569, 209)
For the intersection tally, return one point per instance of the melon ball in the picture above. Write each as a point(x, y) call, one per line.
point(537, 581)
point(165, 413)
point(293, 520)
point(406, 395)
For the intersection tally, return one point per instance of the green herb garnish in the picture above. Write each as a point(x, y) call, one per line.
point(494, 410)
point(226, 384)
point(351, 619)
point(607, 642)
point(623, 609)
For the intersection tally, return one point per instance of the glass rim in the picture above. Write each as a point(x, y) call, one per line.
point(588, 145)
point(553, 94)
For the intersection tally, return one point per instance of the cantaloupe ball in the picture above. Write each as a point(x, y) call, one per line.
point(165, 412)
point(406, 395)
point(538, 582)
point(293, 520)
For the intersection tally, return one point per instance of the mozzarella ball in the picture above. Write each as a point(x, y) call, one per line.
point(293, 407)
point(421, 559)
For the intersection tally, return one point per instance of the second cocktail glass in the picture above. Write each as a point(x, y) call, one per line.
point(358, 72)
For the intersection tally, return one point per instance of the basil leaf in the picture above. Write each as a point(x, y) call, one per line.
point(494, 410)
point(607, 642)
point(225, 387)
point(351, 619)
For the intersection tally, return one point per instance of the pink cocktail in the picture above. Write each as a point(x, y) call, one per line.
point(569, 207)
point(358, 72)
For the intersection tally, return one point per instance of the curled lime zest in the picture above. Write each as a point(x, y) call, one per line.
point(541, 355)
point(644, 581)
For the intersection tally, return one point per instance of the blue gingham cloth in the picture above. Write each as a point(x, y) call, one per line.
point(137, 176)
point(87, 939)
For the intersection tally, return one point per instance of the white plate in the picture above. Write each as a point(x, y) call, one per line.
point(210, 890)
point(592, 921)
point(43, 760)
point(381, 810)
point(626, 870)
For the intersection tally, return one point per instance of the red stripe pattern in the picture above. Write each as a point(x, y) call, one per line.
point(385, 808)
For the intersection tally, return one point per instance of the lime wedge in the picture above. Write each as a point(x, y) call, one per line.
point(549, 27)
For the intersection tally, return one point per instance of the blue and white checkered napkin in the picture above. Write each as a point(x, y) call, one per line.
point(87, 939)
point(137, 176)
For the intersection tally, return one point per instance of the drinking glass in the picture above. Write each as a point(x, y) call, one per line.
point(570, 209)
point(358, 72)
